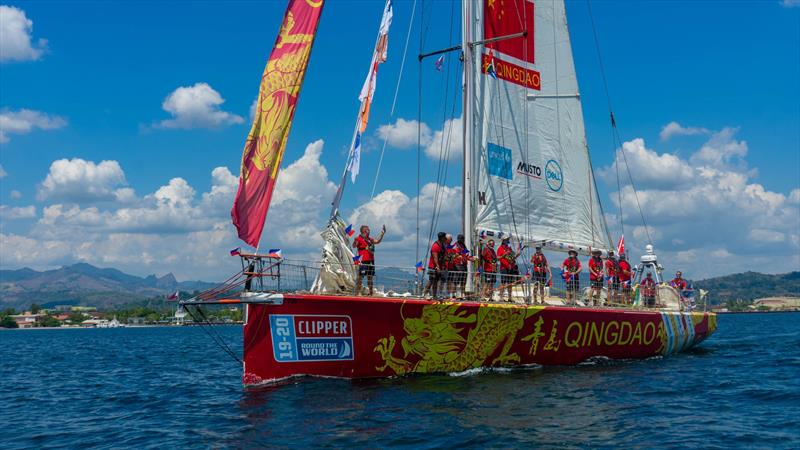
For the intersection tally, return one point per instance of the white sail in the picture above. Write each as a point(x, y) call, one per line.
point(532, 174)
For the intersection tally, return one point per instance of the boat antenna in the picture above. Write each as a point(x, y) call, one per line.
point(616, 140)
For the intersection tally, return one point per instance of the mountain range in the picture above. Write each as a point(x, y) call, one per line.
point(85, 284)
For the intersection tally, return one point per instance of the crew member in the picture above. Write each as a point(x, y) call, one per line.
point(613, 278)
point(449, 256)
point(624, 274)
point(489, 263)
point(596, 276)
point(437, 269)
point(678, 282)
point(460, 258)
point(648, 287)
point(541, 271)
point(570, 270)
point(366, 250)
point(508, 267)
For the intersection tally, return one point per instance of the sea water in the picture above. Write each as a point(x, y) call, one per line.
point(173, 387)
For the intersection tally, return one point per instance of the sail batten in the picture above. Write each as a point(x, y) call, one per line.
point(533, 176)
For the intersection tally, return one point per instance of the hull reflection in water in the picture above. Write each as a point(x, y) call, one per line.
point(361, 337)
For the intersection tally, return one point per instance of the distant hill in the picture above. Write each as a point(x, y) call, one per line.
point(750, 285)
point(85, 284)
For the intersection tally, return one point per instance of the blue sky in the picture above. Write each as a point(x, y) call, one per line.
point(727, 72)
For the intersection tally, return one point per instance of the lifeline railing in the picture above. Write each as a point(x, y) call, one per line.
point(263, 273)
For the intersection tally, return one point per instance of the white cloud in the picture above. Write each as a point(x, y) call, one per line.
point(675, 129)
point(713, 218)
point(3, 173)
point(15, 36)
point(403, 133)
point(79, 181)
point(253, 107)
point(17, 212)
point(15, 194)
point(648, 167)
point(790, 3)
point(175, 228)
point(447, 143)
point(196, 106)
point(24, 121)
point(721, 150)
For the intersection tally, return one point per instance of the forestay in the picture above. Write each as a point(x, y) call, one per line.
point(533, 176)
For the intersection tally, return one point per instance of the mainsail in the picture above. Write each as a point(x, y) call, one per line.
point(277, 100)
point(528, 165)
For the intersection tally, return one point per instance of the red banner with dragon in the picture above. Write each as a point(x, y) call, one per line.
point(277, 100)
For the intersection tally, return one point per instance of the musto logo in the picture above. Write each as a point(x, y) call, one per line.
point(553, 175)
point(311, 338)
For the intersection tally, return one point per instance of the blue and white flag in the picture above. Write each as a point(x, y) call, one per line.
point(355, 158)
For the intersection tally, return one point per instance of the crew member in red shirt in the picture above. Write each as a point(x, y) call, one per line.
point(541, 270)
point(624, 274)
point(437, 265)
point(508, 266)
point(596, 276)
point(648, 286)
point(366, 250)
point(613, 278)
point(678, 282)
point(457, 274)
point(489, 264)
point(570, 270)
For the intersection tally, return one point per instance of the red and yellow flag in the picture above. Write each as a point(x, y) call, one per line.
point(277, 99)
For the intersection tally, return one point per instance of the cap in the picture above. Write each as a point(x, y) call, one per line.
point(538, 247)
point(573, 252)
point(622, 256)
point(506, 239)
point(597, 250)
point(441, 235)
point(460, 237)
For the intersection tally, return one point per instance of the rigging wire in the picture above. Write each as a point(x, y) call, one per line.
point(205, 325)
point(396, 92)
point(615, 131)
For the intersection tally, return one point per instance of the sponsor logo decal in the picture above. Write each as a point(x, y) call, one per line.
point(529, 170)
point(553, 175)
point(499, 161)
point(297, 338)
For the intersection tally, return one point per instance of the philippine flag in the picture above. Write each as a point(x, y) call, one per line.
point(621, 245)
point(349, 230)
point(274, 253)
point(173, 296)
point(236, 251)
point(419, 267)
point(357, 259)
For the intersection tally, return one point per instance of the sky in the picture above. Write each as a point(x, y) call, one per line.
point(122, 125)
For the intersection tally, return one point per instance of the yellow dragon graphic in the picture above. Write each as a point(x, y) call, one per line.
point(281, 83)
point(437, 338)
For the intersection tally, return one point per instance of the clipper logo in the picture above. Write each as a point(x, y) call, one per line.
point(297, 338)
point(553, 175)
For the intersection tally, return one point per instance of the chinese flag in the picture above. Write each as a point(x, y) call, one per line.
point(277, 100)
point(506, 17)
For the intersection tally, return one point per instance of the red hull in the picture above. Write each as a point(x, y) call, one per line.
point(357, 337)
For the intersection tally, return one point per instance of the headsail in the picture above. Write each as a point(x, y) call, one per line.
point(277, 100)
point(533, 176)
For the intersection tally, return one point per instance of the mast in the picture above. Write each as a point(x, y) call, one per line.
point(466, 189)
